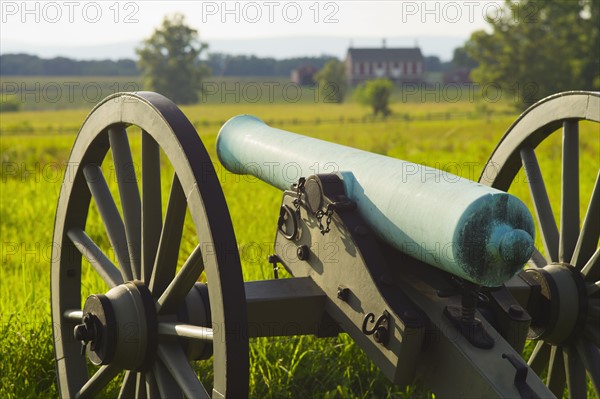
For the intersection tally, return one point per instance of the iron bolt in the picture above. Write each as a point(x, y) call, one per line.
point(515, 310)
point(381, 335)
point(343, 293)
point(302, 252)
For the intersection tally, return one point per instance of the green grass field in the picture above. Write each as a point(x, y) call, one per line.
point(294, 367)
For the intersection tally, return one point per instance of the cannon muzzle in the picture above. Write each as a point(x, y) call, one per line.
point(472, 231)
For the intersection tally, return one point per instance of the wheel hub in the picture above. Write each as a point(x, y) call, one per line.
point(120, 327)
point(560, 311)
point(195, 310)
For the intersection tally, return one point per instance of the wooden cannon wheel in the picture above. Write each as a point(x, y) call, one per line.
point(566, 324)
point(155, 317)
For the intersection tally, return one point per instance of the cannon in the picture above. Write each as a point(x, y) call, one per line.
point(428, 276)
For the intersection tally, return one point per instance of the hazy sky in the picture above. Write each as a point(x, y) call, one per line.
point(75, 23)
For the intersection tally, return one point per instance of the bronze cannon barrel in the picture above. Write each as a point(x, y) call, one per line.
point(472, 231)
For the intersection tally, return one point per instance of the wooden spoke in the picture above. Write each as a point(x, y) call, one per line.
point(176, 362)
point(593, 311)
point(151, 204)
point(97, 382)
point(575, 374)
point(186, 331)
point(99, 261)
point(556, 372)
point(541, 203)
point(590, 230)
point(590, 356)
point(128, 388)
point(539, 357)
point(537, 260)
point(110, 216)
point(167, 386)
point(591, 270)
point(593, 333)
point(182, 283)
point(140, 386)
point(151, 387)
point(129, 193)
point(569, 213)
point(170, 240)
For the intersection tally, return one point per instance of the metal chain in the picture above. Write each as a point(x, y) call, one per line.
point(300, 192)
point(320, 214)
point(328, 213)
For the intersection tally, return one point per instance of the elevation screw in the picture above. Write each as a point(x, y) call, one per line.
point(302, 252)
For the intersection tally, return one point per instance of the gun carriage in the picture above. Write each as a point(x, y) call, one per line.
point(428, 276)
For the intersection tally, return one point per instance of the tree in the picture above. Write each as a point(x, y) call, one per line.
point(170, 61)
point(433, 64)
point(376, 94)
point(461, 59)
point(331, 81)
point(538, 48)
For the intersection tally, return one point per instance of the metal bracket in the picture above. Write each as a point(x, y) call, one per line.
point(521, 377)
point(350, 256)
point(88, 332)
point(274, 260)
point(287, 223)
point(380, 330)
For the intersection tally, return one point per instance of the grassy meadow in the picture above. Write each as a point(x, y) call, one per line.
point(35, 146)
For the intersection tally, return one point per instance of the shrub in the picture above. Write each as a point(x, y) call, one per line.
point(376, 94)
point(9, 104)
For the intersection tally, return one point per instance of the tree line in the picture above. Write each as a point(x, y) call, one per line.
point(32, 65)
point(219, 64)
point(249, 65)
